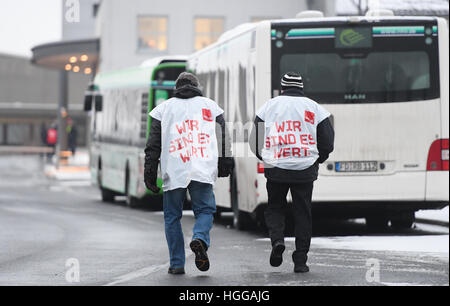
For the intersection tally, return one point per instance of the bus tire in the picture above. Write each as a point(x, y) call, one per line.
point(130, 200)
point(218, 214)
point(241, 220)
point(377, 223)
point(404, 220)
point(107, 195)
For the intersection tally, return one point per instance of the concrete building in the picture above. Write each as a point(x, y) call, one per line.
point(133, 31)
point(29, 101)
point(30, 90)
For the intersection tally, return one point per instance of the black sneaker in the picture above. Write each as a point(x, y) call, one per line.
point(201, 257)
point(276, 257)
point(176, 270)
point(301, 268)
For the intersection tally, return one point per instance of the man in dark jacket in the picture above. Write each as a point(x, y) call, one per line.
point(292, 135)
point(188, 136)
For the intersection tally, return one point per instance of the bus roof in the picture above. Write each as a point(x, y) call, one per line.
point(139, 76)
point(352, 19)
point(247, 27)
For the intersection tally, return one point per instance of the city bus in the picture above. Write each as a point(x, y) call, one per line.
point(385, 81)
point(119, 102)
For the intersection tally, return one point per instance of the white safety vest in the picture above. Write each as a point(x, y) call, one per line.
point(290, 139)
point(188, 141)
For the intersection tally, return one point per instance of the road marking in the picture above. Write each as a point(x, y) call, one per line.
point(137, 274)
point(142, 272)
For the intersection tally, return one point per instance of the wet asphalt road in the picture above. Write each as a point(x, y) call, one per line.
point(46, 224)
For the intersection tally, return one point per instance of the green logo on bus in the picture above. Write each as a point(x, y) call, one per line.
point(350, 37)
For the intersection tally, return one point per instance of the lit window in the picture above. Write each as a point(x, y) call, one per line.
point(152, 33)
point(207, 31)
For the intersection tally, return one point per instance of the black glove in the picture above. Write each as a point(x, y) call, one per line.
point(150, 177)
point(226, 166)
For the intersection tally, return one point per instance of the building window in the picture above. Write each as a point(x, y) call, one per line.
point(18, 134)
point(152, 33)
point(207, 31)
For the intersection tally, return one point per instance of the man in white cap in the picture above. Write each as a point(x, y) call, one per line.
point(188, 136)
point(292, 136)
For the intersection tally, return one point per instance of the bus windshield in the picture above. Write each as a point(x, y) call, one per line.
point(359, 64)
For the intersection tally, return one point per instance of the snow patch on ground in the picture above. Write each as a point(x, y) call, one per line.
point(429, 244)
point(437, 215)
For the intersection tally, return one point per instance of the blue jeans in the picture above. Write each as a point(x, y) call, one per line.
point(203, 205)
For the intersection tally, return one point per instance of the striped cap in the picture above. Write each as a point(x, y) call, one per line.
point(292, 79)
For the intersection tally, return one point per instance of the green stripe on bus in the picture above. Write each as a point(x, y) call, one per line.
point(164, 83)
point(311, 32)
point(399, 30)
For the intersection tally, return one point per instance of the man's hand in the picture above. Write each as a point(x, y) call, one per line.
point(152, 187)
point(150, 177)
point(226, 166)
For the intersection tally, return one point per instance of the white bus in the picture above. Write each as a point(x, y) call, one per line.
point(120, 102)
point(385, 81)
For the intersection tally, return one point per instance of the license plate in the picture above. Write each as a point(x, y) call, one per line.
point(356, 166)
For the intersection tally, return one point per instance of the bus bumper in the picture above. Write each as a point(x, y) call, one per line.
point(400, 187)
point(437, 186)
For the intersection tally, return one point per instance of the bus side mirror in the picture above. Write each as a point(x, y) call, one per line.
point(99, 103)
point(87, 102)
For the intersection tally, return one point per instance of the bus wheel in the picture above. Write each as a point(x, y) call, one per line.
point(377, 223)
point(131, 201)
point(404, 220)
point(241, 219)
point(107, 195)
point(218, 214)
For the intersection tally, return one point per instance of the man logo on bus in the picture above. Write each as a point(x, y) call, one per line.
point(350, 37)
point(310, 117)
point(207, 116)
point(355, 97)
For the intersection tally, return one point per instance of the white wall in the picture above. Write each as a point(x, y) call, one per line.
point(83, 29)
point(117, 23)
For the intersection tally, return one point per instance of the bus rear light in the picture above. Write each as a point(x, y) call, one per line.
point(260, 168)
point(438, 156)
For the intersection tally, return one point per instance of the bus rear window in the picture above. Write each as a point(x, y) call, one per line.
point(392, 72)
point(363, 64)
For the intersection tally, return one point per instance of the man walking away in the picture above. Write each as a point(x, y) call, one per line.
point(188, 136)
point(292, 136)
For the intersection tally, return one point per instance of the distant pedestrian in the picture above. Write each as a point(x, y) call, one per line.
point(72, 135)
point(292, 135)
point(51, 139)
point(52, 136)
point(44, 134)
point(187, 133)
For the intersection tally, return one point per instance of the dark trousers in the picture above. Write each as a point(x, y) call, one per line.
point(275, 215)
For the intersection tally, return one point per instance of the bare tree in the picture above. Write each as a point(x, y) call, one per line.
point(361, 6)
